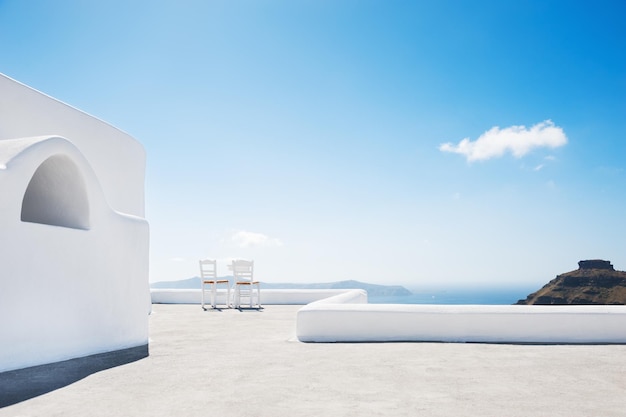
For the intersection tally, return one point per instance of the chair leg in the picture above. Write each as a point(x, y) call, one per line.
point(202, 290)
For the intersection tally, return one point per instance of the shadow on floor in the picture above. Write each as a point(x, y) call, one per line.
point(24, 384)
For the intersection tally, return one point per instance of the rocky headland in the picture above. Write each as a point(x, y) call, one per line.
point(594, 282)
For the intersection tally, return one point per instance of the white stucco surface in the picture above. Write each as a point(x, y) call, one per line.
point(268, 297)
point(348, 318)
point(197, 367)
point(344, 315)
point(116, 158)
point(74, 243)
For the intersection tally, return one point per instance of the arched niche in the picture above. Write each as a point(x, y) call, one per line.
point(57, 195)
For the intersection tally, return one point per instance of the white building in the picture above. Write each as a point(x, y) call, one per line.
point(73, 237)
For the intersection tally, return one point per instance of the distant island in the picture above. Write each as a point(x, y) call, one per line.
point(373, 290)
point(594, 282)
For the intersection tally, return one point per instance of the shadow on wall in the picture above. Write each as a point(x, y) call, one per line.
point(57, 195)
point(24, 384)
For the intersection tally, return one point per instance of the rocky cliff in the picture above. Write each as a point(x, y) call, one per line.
point(594, 282)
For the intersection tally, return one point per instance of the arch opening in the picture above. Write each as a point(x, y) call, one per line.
point(56, 195)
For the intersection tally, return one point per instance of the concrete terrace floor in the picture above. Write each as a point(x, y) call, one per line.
point(234, 363)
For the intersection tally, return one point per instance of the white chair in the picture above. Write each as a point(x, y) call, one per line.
point(245, 285)
point(208, 276)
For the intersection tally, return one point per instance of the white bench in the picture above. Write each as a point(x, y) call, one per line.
point(348, 318)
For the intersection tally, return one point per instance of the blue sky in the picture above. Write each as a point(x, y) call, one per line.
point(451, 143)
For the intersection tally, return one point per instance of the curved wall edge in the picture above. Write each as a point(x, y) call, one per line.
point(332, 320)
point(75, 268)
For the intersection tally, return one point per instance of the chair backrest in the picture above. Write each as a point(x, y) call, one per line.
point(208, 269)
point(242, 270)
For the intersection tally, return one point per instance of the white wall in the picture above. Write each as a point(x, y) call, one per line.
point(118, 160)
point(268, 297)
point(74, 277)
point(348, 318)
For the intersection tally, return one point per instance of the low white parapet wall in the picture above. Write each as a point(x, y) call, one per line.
point(268, 297)
point(348, 318)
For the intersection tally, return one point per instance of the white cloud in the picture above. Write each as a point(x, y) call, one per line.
point(177, 259)
point(518, 140)
point(245, 239)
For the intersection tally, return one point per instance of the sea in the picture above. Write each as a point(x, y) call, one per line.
point(505, 295)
